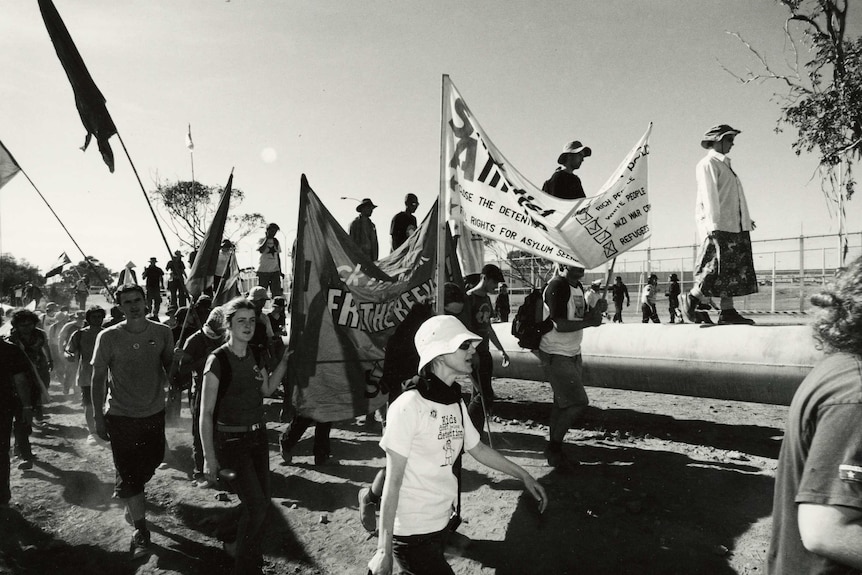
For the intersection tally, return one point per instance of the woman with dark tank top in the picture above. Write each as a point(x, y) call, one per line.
point(233, 433)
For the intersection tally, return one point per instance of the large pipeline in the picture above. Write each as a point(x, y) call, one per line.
point(762, 364)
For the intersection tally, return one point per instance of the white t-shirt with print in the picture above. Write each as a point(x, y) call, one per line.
point(430, 436)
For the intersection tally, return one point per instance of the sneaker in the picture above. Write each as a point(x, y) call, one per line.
point(731, 316)
point(689, 305)
point(25, 465)
point(140, 545)
point(367, 510)
point(91, 440)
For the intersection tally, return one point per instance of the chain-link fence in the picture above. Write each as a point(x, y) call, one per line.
point(789, 270)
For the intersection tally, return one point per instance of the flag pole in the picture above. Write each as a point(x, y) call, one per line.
point(68, 233)
point(147, 199)
point(441, 204)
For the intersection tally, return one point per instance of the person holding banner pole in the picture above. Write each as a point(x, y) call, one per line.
point(480, 312)
point(564, 184)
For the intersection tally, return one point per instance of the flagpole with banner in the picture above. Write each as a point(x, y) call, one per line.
point(7, 157)
point(89, 100)
point(442, 208)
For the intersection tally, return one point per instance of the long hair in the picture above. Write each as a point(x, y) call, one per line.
point(838, 327)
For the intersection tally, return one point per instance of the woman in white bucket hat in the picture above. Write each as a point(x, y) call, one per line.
point(427, 429)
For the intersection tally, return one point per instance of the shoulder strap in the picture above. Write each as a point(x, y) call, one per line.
point(456, 467)
point(224, 380)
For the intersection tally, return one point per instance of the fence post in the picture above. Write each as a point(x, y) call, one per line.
point(772, 302)
point(823, 271)
point(801, 273)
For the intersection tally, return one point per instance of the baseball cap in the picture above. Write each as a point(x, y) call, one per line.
point(440, 335)
point(575, 147)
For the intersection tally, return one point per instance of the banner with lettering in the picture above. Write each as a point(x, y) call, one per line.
point(486, 195)
point(344, 307)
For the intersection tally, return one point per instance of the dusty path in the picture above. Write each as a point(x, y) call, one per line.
point(668, 484)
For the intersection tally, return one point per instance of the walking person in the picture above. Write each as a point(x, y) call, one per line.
point(79, 351)
point(502, 306)
point(130, 413)
point(153, 277)
point(725, 265)
point(619, 293)
point(648, 301)
point(672, 294)
point(14, 405)
point(560, 352)
point(233, 432)
point(82, 291)
point(426, 434)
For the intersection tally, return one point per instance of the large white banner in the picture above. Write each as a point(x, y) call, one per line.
point(489, 197)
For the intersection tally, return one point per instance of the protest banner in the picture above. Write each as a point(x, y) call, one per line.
point(486, 195)
point(344, 307)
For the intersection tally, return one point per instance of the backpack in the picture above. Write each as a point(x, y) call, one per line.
point(528, 327)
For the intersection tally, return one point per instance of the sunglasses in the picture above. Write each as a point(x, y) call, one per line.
point(466, 345)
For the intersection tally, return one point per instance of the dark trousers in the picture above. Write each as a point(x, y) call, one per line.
point(481, 376)
point(197, 448)
point(618, 311)
point(421, 554)
point(291, 436)
point(247, 454)
point(22, 431)
point(154, 301)
point(6, 416)
point(649, 313)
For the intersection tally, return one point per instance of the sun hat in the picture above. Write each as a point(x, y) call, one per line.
point(716, 133)
point(440, 335)
point(258, 293)
point(215, 324)
point(364, 203)
point(153, 259)
point(574, 147)
point(597, 283)
point(674, 277)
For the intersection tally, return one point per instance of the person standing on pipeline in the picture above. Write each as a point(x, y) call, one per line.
point(725, 267)
point(564, 184)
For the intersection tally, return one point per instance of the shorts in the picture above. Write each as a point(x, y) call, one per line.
point(86, 397)
point(566, 376)
point(138, 446)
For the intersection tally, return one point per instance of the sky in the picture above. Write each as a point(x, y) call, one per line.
point(349, 93)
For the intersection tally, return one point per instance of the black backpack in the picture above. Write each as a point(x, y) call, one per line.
point(528, 326)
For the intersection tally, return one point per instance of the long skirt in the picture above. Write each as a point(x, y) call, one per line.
point(725, 265)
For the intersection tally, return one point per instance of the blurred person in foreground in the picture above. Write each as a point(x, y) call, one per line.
point(427, 431)
point(817, 507)
point(14, 398)
point(233, 432)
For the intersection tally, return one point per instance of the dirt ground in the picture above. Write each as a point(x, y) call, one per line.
point(667, 484)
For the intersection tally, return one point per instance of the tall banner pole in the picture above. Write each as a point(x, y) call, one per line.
point(441, 202)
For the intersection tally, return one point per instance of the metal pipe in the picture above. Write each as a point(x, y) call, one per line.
point(760, 364)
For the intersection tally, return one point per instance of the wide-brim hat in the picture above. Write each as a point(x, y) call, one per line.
point(440, 335)
point(366, 202)
point(153, 260)
point(574, 147)
point(716, 133)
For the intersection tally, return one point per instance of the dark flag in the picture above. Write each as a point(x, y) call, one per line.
point(203, 270)
point(8, 166)
point(88, 98)
point(58, 265)
point(229, 286)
